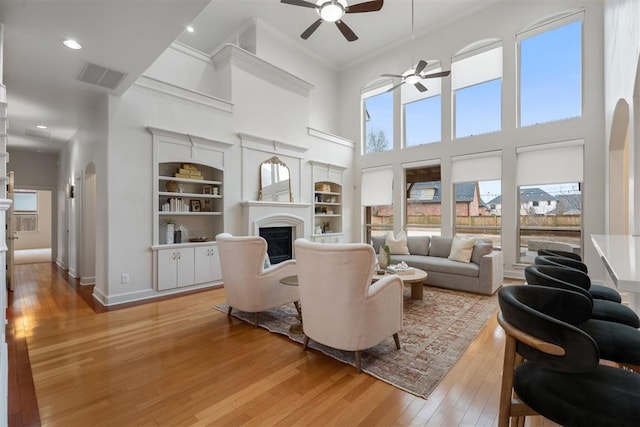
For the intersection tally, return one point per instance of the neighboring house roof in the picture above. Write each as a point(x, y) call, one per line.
point(464, 192)
point(568, 204)
point(529, 195)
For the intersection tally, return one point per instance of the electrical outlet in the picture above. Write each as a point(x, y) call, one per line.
point(124, 279)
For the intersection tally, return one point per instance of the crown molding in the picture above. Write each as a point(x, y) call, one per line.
point(236, 56)
point(182, 93)
point(331, 137)
point(270, 145)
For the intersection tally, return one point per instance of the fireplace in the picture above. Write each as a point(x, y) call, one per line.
point(259, 216)
point(279, 241)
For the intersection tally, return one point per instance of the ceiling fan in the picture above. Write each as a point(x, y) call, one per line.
point(414, 76)
point(333, 11)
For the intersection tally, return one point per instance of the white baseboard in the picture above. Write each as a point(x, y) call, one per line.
point(86, 281)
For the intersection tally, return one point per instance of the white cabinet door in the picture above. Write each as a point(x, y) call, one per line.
point(207, 264)
point(216, 269)
point(167, 269)
point(186, 263)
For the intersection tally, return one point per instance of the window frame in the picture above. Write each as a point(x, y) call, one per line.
point(534, 30)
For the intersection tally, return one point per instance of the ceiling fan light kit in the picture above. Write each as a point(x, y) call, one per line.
point(334, 11)
point(414, 75)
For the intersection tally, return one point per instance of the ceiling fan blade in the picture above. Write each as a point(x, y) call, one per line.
point(395, 87)
point(346, 31)
point(391, 75)
point(420, 87)
point(305, 35)
point(299, 3)
point(420, 66)
point(434, 75)
point(367, 6)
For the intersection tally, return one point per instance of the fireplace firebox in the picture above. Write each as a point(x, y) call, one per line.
point(279, 243)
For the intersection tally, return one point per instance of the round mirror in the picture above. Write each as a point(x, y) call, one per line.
point(275, 182)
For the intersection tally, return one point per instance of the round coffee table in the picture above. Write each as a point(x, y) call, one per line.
point(415, 280)
point(297, 328)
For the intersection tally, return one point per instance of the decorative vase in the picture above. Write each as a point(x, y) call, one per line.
point(383, 258)
point(170, 230)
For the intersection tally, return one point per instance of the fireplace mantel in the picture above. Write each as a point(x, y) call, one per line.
point(256, 214)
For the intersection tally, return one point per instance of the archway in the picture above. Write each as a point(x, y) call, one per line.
point(619, 170)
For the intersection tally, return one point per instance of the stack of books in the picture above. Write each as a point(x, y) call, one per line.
point(188, 170)
point(397, 269)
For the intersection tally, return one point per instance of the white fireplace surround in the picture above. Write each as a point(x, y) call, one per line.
point(285, 220)
point(262, 214)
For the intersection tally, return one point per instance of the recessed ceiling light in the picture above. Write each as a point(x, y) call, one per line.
point(41, 126)
point(71, 44)
point(190, 29)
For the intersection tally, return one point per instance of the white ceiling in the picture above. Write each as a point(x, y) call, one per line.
point(128, 35)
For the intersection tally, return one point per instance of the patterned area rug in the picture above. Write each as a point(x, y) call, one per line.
point(436, 331)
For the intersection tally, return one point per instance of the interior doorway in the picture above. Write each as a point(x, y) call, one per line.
point(33, 227)
point(88, 227)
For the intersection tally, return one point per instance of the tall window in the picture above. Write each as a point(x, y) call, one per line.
point(550, 58)
point(423, 197)
point(25, 210)
point(422, 111)
point(550, 198)
point(376, 198)
point(476, 82)
point(378, 126)
point(477, 185)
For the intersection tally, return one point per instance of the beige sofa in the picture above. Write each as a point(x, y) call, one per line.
point(483, 275)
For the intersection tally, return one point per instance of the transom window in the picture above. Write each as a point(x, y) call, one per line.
point(422, 111)
point(378, 121)
point(476, 82)
point(550, 71)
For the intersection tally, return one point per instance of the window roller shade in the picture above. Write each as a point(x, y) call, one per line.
point(377, 187)
point(557, 164)
point(479, 167)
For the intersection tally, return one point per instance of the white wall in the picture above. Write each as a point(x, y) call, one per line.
point(260, 107)
point(501, 21)
point(622, 83)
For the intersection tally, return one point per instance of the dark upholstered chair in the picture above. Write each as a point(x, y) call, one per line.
point(566, 278)
point(596, 291)
point(565, 254)
point(551, 367)
point(618, 342)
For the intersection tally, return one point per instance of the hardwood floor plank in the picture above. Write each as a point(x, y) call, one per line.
point(177, 361)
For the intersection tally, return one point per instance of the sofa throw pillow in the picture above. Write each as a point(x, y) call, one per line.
point(418, 245)
point(397, 245)
point(440, 246)
point(461, 249)
point(480, 249)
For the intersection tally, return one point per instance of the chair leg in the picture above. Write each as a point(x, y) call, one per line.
point(504, 412)
point(396, 338)
point(229, 311)
point(305, 343)
point(358, 361)
point(257, 318)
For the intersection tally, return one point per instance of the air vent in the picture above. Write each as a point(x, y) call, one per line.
point(37, 133)
point(101, 76)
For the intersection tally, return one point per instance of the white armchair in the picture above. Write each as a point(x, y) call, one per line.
point(248, 285)
point(340, 306)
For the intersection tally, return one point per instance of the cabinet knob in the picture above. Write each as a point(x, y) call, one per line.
point(174, 255)
point(178, 255)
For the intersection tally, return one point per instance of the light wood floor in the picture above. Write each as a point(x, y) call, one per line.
point(180, 362)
